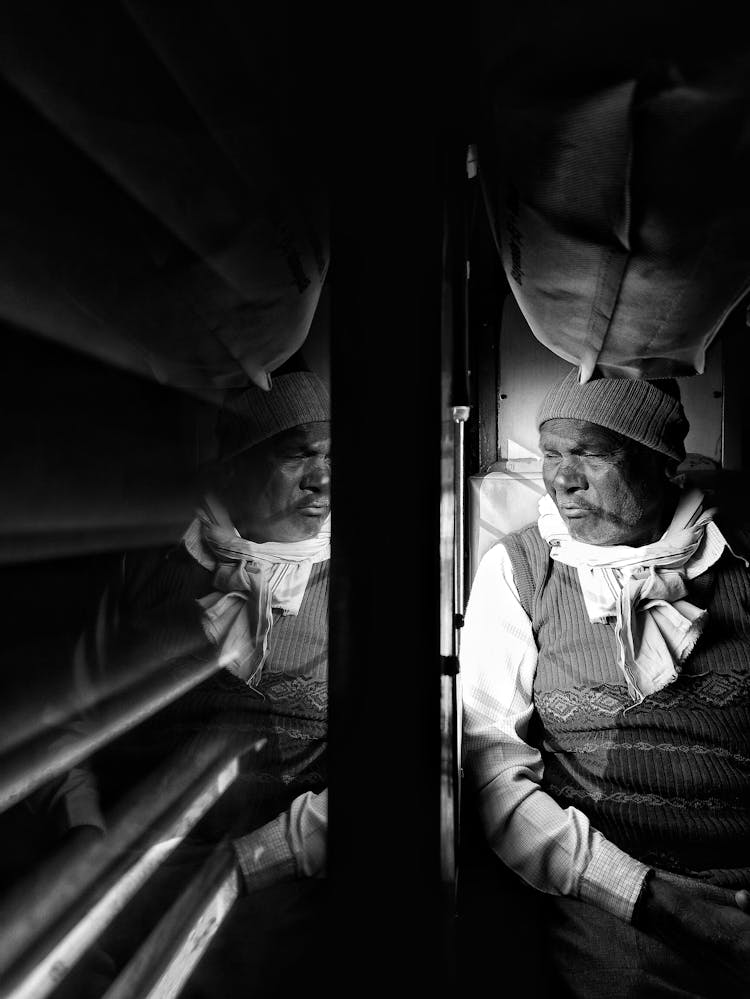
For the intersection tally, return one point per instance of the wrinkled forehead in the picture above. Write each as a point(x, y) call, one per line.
point(575, 434)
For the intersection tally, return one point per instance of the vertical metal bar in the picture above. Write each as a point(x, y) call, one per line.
point(460, 167)
point(455, 356)
point(460, 416)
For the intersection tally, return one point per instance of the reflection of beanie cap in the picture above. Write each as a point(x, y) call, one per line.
point(253, 415)
point(649, 412)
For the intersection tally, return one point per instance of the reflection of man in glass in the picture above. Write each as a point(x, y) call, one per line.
point(248, 584)
point(264, 533)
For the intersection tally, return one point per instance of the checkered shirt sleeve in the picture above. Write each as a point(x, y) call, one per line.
point(293, 845)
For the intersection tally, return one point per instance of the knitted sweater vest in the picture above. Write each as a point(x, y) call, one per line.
point(668, 781)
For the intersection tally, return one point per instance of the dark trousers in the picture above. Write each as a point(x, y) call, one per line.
point(594, 955)
point(514, 940)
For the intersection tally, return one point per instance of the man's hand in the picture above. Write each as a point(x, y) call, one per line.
point(711, 932)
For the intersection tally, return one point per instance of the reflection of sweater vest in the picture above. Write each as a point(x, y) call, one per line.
point(158, 618)
point(668, 781)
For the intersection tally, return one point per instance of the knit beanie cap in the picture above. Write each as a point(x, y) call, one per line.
point(649, 412)
point(252, 415)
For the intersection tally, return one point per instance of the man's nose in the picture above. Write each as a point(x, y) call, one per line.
point(317, 476)
point(569, 475)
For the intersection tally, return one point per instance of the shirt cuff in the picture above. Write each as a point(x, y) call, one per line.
point(612, 880)
point(264, 856)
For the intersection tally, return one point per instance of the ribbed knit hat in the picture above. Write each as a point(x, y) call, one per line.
point(649, 412)
point(252, 415)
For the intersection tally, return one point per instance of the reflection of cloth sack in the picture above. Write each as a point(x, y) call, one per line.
point(201, 238)
point(623, 216)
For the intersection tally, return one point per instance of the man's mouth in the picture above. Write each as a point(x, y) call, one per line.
point(575, 512)
point(313, 509)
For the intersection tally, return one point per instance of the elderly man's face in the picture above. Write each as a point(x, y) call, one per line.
point(609, 490)
point(280, 490)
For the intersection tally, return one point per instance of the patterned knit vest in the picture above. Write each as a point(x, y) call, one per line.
point(668, 781)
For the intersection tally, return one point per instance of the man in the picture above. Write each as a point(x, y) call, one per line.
point(606, 678)
point(248, 586)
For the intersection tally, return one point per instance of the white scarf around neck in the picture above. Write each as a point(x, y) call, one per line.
point(252, 580)
point(642, 590)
